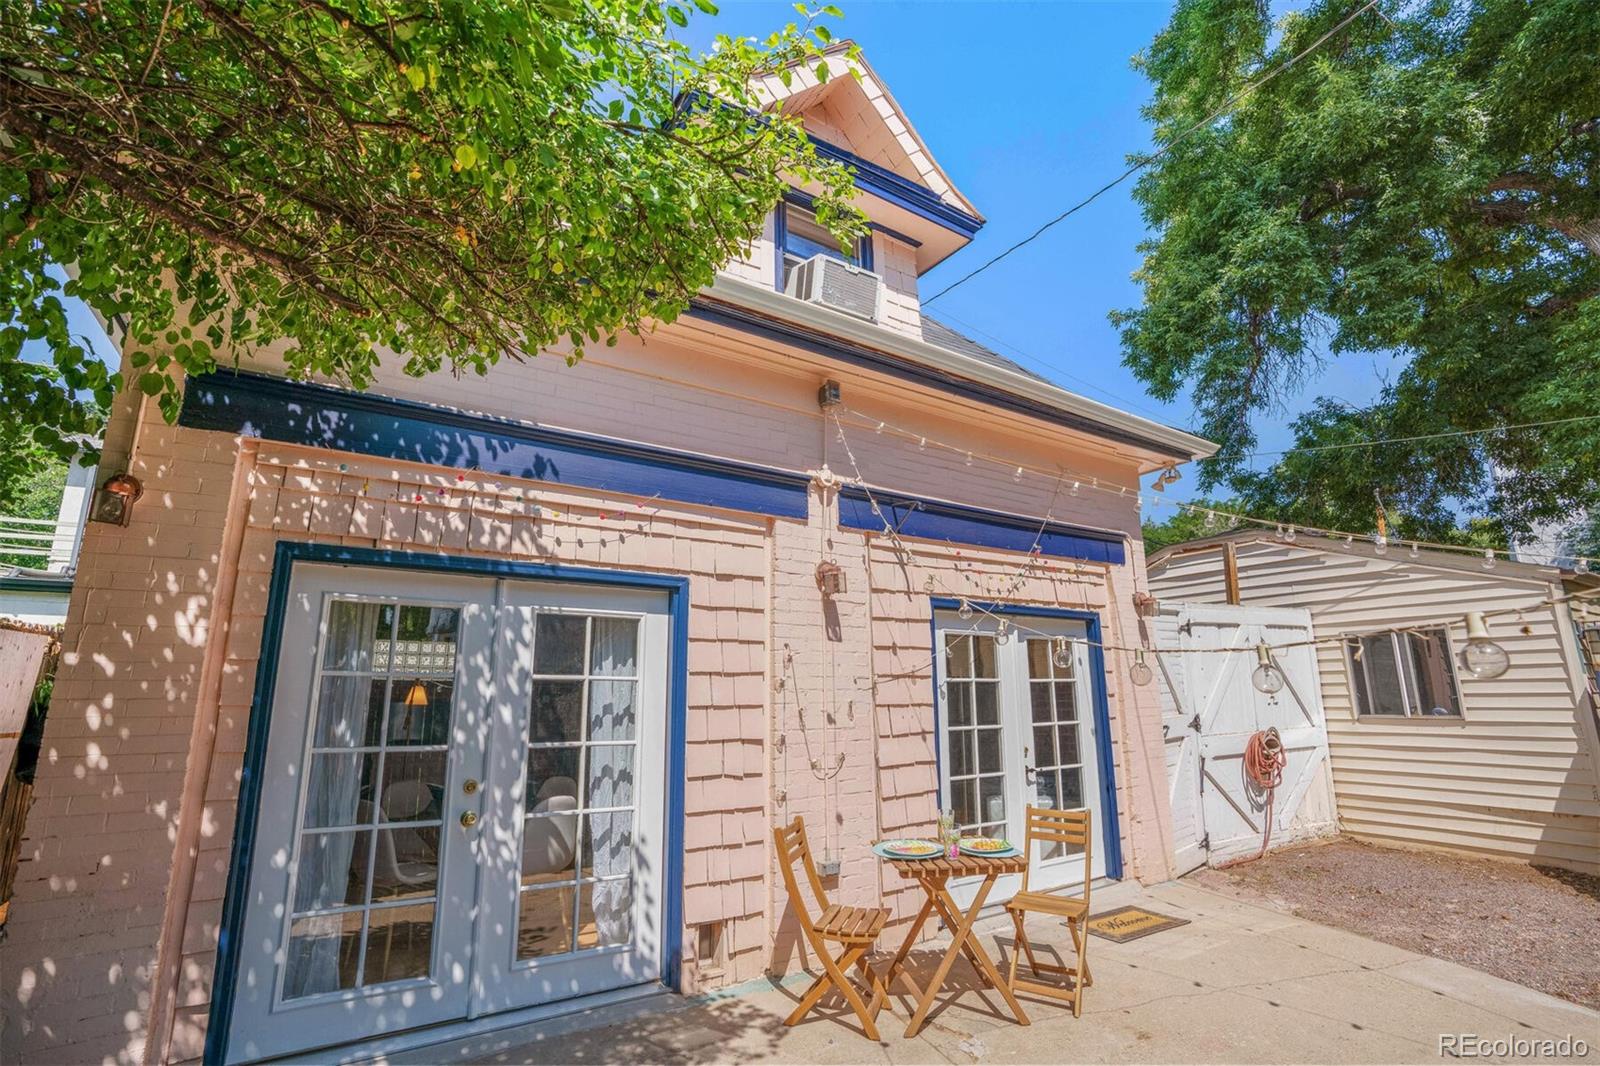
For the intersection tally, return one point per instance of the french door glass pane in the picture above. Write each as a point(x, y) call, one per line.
point(1056, 752)
point(973, 734)
point(363, 896)
point(577, 842)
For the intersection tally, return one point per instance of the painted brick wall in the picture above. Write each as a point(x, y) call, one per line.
point(81, 942)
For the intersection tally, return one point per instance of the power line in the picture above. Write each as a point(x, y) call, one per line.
point(1126, 174)
point(1022, 353)
point(1427, 436)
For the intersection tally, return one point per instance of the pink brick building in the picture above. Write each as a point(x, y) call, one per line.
point(396, 716)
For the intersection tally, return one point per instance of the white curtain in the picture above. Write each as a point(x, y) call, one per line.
point(333, 798)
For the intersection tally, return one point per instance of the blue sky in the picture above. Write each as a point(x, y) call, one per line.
point(1029, 107)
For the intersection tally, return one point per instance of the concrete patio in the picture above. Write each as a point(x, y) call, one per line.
point(1239, 984)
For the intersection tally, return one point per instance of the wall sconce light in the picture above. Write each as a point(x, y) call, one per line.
point(113, 504)
point(830, 579)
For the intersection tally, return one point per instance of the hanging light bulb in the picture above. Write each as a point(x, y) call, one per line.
point(1488, 558)
point(1063, 654)
point(1414, 552)
point(1211, 520)
point(1267, 678)
point(1018, 475)
point(1380, 544)
point(922, 444)
point(1482, 657)
point(1140, 671)
point(1002, 633)
point(1582, 566)
point(880, 428)
point(1075, 486)
point(964, 612)
point(1280, 532)
point(1289, 534)
point(969, 458)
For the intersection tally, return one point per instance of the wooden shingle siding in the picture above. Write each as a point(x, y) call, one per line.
point(1514, 777)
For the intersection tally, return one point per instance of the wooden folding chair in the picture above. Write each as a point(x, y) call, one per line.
point(1070, 828)
point(854, 929)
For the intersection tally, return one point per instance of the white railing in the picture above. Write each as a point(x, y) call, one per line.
point(27, 536)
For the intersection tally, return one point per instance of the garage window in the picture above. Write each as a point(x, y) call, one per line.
point(1404, 675)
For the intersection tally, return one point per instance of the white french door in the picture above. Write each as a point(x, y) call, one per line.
point(1016, 728)
point(462, 805)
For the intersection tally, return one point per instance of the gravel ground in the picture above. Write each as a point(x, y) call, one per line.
point(1537, 926)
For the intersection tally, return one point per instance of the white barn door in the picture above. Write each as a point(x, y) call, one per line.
point(1211, 711)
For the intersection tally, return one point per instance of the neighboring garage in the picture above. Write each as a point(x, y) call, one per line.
point(1423, 752)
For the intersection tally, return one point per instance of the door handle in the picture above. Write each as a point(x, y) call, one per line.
point(469, 819)
point(1031, 772)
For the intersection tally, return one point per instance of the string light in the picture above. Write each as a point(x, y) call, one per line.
point(1482, 657)
point(1018, 475)
point(1063, 653)
point(1267, 677)
point(1488, 558)
point(1082, 480)
point(1140, 673)
point(1380, 544)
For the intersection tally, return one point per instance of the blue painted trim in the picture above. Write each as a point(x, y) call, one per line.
point(806, 200)
point(936, 520)
point(887, 185)
point(285, 556)
point(324, 417)
point(1110, 819)
point(710, 309)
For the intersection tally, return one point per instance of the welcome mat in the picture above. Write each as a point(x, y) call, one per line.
point(1130, 923)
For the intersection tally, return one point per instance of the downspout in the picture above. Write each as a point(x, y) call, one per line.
point(202, 754)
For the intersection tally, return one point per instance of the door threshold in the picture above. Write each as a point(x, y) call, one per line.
point(476, 1038)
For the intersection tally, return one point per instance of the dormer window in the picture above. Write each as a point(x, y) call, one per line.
point(800, 236)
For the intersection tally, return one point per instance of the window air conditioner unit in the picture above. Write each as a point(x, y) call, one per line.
point(834, 283)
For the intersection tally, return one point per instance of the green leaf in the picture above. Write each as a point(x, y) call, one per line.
point(466, 156)
point(151, 383)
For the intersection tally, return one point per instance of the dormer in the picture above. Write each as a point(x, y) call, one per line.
point(918, 216)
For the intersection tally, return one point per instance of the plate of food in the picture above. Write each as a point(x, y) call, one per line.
point(993, 846)
point(907, 849)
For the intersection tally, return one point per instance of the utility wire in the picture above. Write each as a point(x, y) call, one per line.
point(1427, 436)
point(1146, 161)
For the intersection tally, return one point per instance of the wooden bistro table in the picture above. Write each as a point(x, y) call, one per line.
point(934, 876)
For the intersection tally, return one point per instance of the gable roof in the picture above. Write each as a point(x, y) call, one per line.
point(883, 133)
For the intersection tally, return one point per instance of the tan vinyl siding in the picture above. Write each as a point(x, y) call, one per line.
point(1514, 777)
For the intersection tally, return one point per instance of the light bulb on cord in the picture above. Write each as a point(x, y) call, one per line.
point(1380, 544)
point(922, 444)
point(1267, 678)
point(1075, 486)
point(1288, 535)
point(969, 458)
point(1063, 653)
point(1018, 475)
point(1488, 558)
point(964, 612)
point(1482, 657)
point(880, 428)
point(1211, 520)
point(1414, 552)
point(1140, 671)
point(1002, 634)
